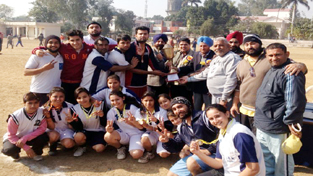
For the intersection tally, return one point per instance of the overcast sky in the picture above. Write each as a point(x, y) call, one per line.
point(155, 7)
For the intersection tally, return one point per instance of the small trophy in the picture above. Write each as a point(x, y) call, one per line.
point(168, 52)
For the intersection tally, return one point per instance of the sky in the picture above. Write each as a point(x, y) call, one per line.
point(155, 7)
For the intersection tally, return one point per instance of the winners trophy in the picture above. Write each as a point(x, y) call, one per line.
point(168, 52)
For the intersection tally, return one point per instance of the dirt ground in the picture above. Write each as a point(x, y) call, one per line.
point(14, 85)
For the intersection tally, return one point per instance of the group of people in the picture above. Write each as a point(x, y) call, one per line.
point(96, 92)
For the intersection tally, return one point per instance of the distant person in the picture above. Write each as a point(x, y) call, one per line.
point(46, 70)
point(94, 30)
point(194, 44)
point(10, 41)
point(40, 38)
point(1, 41)
point(62, 38)
point(19, 40)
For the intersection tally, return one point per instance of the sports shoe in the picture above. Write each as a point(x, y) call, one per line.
point(52, 153)
point(53, 149)
point(146, 157)
point(16, 158)
point(121, 153)
point(37, 158)
point(80, 151)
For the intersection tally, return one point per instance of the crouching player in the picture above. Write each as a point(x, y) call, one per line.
point(56, 121)
point(26, 127)
point(120, 115)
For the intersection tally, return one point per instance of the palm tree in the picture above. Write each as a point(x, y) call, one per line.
point(295, 3)
point(195, 2)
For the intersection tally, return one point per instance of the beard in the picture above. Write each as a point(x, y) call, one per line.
point(234, 48)
point(96, 34)
point(254, 52)
point(53, 51)
point(188, 114)
point(159, 47)
point(142, 40)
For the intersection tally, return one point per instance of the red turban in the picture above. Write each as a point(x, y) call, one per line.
point(238, 35)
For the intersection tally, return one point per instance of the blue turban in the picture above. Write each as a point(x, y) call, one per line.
point(206, 40)
point(158, 36)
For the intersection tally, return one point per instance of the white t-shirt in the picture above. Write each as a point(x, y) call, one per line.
point(114, 115)
point(26, 124)
point(104, 93)
point(60, 117)
point(238, 146)
point(95, 78)
point(90, 41)
point(117, 57)
point(45, 81)
point(159, 113)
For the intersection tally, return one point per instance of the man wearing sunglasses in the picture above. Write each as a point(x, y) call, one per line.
point(250, 73)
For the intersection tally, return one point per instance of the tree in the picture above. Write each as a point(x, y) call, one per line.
point(294, 4)
point(264, 30)
point(42, 12)
point(244, 25)
point(303, 29)
point(6, 11)
point(157, 17)
point(208, 28)
point(256, 7)
point(125, 22)
point(192, 2)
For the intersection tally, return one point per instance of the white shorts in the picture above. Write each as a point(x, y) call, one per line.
point(134, 141)
point(152, 135)
point(67, 133)
point(160, 149)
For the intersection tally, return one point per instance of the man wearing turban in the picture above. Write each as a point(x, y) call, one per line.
point(235, 40)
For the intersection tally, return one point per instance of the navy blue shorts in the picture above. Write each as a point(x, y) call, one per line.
point(94, 137)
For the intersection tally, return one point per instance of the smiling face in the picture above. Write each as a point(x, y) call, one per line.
point(117, 101)
point(204, 48)
point(113, 84)
point(53, 45)
point(31, 106)
point(276, 56)
point(218, 118)
point(76, 42)
point(181, 110)
point(148, 102)
point(164, 103)
point(221, 47)
point(83, 99)
point(252, 48)
point(184, 47)
point(159, 44)
point(57, 98)
point(175, 120)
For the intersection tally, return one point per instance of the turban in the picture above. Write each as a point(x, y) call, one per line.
point(52, 37)
point(237, 35)
point(94, 22)
point(252, 38)
point(180, 100)
point(158, 36)
point(206, 40)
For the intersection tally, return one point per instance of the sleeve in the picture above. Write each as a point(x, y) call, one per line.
point(174, 145)
point(185, 70)
point(32, 62)
point(111, 115)
point(245, 145)
point(40, 130)
point(295, 98)
point(100, 95)
point(12, 130)
point(218, 154)
point(138, 115)
point(37, 48)
point(117, 58)
point(77, 125)
point(101, 63)
point(200, 76)
point(132, 94)
point(103, 120)
point(231, 78)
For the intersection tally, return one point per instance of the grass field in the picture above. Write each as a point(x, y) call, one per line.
point(14, 85)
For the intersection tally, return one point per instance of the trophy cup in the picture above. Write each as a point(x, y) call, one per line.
point(168, 52)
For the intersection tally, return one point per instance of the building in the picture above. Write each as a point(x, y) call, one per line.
point(30, 29)
point(173, 6)
point(276, 17)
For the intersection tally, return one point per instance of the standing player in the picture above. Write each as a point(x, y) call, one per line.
point(46, 71)
point(26, 127)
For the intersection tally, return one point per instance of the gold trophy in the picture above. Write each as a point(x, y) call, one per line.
point(168, 52)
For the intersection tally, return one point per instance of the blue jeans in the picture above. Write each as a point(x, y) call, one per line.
point(277, 163)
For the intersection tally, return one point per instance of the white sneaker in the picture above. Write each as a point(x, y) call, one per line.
point(146, 157)
point(80, 151)
point(37, 158)
point(121, 153)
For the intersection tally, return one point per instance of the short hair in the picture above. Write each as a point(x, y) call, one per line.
point(30, 96)
point(75, 32)
point(124, 37)
point(101, 39)
point(170, 113)
point(142, 28)
point(276, 46)
point(185, 39)
point(80, 90)
point(222, 39)
point(114, 76)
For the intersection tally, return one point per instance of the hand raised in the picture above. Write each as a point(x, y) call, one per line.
point(109, 128)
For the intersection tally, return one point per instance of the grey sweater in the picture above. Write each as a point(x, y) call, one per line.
point(220, 76)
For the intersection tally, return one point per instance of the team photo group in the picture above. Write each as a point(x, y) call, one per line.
point(224, 105)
